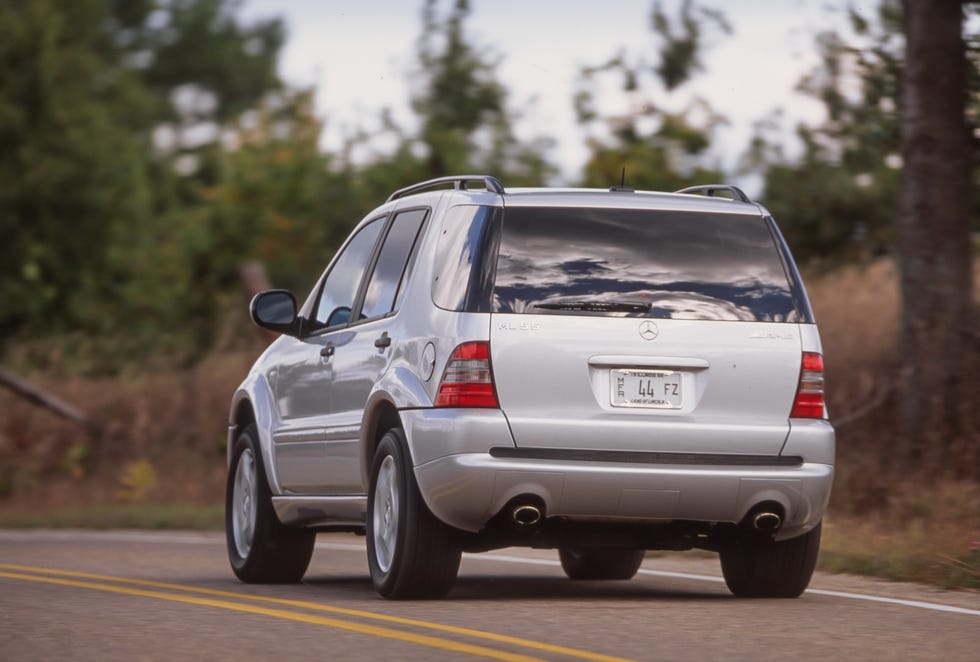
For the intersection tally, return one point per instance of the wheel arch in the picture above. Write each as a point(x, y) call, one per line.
point(253, 403)
point(380, 415)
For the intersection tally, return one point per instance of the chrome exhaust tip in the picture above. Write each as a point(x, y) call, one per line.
point(766, 521)
point(526, 514)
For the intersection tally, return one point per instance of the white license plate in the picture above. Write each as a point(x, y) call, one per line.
point(655, 389)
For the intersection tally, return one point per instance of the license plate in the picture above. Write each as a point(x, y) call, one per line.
point(654, 389)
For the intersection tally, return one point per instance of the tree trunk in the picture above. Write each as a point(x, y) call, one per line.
point(934, 234)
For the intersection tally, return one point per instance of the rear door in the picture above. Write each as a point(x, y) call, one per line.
point(364, 349)
point(640, 330)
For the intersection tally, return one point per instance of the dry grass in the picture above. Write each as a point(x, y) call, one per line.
point(930, 535)
point(162, 439)
point(163, 443)
point(883, 519)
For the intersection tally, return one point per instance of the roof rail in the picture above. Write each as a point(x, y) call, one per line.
point(458, 182)
point(710, 189)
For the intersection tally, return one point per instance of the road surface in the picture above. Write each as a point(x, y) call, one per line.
point(77, 595)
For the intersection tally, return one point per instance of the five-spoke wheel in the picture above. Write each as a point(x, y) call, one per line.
point(410, 552)
point(260, 547)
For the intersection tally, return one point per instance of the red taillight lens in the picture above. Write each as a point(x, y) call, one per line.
point(809, 394)
point(468, 380)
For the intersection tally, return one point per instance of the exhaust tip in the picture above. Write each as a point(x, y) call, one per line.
point(766, 521)
point(526, 514)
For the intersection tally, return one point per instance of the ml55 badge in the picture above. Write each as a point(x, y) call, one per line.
point(519, 326)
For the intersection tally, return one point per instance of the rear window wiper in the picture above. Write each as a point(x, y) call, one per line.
point(597, 306)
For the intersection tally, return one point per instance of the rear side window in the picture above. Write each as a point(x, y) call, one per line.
point(640, 263)
point(464, 259)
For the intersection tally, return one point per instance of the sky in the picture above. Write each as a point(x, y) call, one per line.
point(359, 55)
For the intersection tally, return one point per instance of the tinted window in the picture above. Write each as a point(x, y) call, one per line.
point(464, 259)
point(663, 264)
point(383, 286)
point(339, 289)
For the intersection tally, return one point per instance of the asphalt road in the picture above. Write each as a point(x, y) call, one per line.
point(171, 596)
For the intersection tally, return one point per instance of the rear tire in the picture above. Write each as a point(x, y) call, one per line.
point(411, 553)
point(600, 563)
point(756, 567)
point(260, 548)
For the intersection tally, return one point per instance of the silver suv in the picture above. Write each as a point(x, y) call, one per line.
point(598, 371)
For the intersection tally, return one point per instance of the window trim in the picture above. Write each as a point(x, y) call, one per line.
point(800, 300)
point(410, 264)
point(478, 288)
point(376, 255)
point(311, 328)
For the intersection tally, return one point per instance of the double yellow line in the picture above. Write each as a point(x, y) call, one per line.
point(253, 604)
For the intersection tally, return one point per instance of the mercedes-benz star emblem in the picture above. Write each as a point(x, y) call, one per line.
point(648, 330)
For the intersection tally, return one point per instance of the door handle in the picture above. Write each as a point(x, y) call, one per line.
point(328, 350)
point(384, 341)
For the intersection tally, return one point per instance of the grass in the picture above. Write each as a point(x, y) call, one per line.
point(120, 516)
point(925, 533)
point(907, 554)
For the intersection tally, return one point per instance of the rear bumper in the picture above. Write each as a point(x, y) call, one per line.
point(466, 486)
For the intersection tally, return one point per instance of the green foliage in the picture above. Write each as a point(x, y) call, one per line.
point(71, 171)
point(91, 205)
point(839, 200)
point(680, 49)
point(659, 149)
point(466, 125)
point(201, 44)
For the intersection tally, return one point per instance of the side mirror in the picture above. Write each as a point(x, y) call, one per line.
point(275, 310)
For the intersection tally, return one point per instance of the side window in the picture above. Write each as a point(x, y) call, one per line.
point(389, 271)
point(465, 259)
point(339, 289)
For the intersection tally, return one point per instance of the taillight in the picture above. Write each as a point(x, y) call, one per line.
point(468, 380)
point(809, 401)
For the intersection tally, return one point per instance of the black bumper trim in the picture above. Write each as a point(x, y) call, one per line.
point(647, 457)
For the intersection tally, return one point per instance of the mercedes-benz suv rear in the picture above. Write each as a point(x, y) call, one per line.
point(603, 372)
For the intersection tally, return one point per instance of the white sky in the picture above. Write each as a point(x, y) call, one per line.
point(359, 55)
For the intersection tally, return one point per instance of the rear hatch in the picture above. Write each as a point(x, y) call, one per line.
point(644, 330)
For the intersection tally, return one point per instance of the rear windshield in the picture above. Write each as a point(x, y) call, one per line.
point(640, 263)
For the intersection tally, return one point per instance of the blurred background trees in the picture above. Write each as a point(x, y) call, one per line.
point(112, 116)
point(466, 124)
point(647, 143)
point(839, 200)
point(842, 192)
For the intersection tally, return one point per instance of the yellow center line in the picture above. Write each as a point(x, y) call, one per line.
point(478, 634)
point(421, 639)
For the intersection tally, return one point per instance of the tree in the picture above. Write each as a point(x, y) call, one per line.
point(72, 170)
point(934, 231)
point(273, 199)
point(839, 199)
point(659, 148)
point(87, 187)
point(466, 125)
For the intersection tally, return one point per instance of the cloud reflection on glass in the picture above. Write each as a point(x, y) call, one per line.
point(669, 265)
